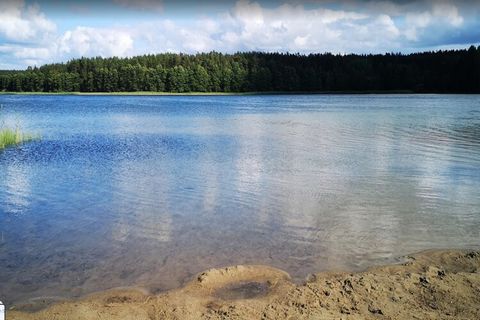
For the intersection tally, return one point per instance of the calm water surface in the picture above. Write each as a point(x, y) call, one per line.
point(148, 191)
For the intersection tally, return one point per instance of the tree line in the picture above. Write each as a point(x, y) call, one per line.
point(455, 71)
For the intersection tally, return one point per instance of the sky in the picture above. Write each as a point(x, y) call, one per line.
point(33, 33)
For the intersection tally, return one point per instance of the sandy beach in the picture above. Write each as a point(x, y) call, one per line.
point(440, 284)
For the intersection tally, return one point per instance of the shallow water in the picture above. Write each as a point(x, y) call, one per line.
point(148, 191)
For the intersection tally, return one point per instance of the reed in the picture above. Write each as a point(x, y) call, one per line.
point(9, 137)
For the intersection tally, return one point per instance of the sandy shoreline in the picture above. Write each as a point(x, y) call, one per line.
point(440, 284)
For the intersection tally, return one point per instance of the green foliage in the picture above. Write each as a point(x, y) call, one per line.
point(441, 71)
point(9, 137)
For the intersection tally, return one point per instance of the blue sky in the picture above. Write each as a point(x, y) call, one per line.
point(39, 32)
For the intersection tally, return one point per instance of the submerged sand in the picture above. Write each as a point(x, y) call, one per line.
point(429, 285)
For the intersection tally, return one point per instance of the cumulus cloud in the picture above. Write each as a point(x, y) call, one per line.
point(355, 26)
point(286, 27)
point(250, 26)
point(448, 12)
point(20, 22)
point(440, 13)
point(87, 41)
point(352, 26)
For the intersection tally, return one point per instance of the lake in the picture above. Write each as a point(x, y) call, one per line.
point(150, 190)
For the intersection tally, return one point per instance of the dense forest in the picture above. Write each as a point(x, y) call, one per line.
point(453, 71)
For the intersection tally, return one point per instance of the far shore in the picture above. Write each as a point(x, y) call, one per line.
point(437, 284)
point(155, 93)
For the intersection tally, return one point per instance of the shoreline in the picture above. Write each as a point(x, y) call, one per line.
point(443, 284)
point(249, 93)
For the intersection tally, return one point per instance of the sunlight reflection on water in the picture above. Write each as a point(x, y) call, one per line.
point(149, 191)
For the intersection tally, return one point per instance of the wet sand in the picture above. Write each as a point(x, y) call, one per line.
point(430, 285)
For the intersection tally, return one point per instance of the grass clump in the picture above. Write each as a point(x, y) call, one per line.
point(9, 137)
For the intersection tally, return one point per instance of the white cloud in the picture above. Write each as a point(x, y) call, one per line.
point(301, 41)
point(87, 41)
point(448, 12)
point(297, 29)
point(416, 21)
point(20, 22)
point(385, 22)
point(33, 53)
point(372, 26)
point(440, 12)
point(250, 26)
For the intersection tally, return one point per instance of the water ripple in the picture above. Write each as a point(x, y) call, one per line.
point(150, 190)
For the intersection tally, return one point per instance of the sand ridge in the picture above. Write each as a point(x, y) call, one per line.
point(442, 284)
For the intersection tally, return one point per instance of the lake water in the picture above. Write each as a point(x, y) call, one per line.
point(148, 191)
